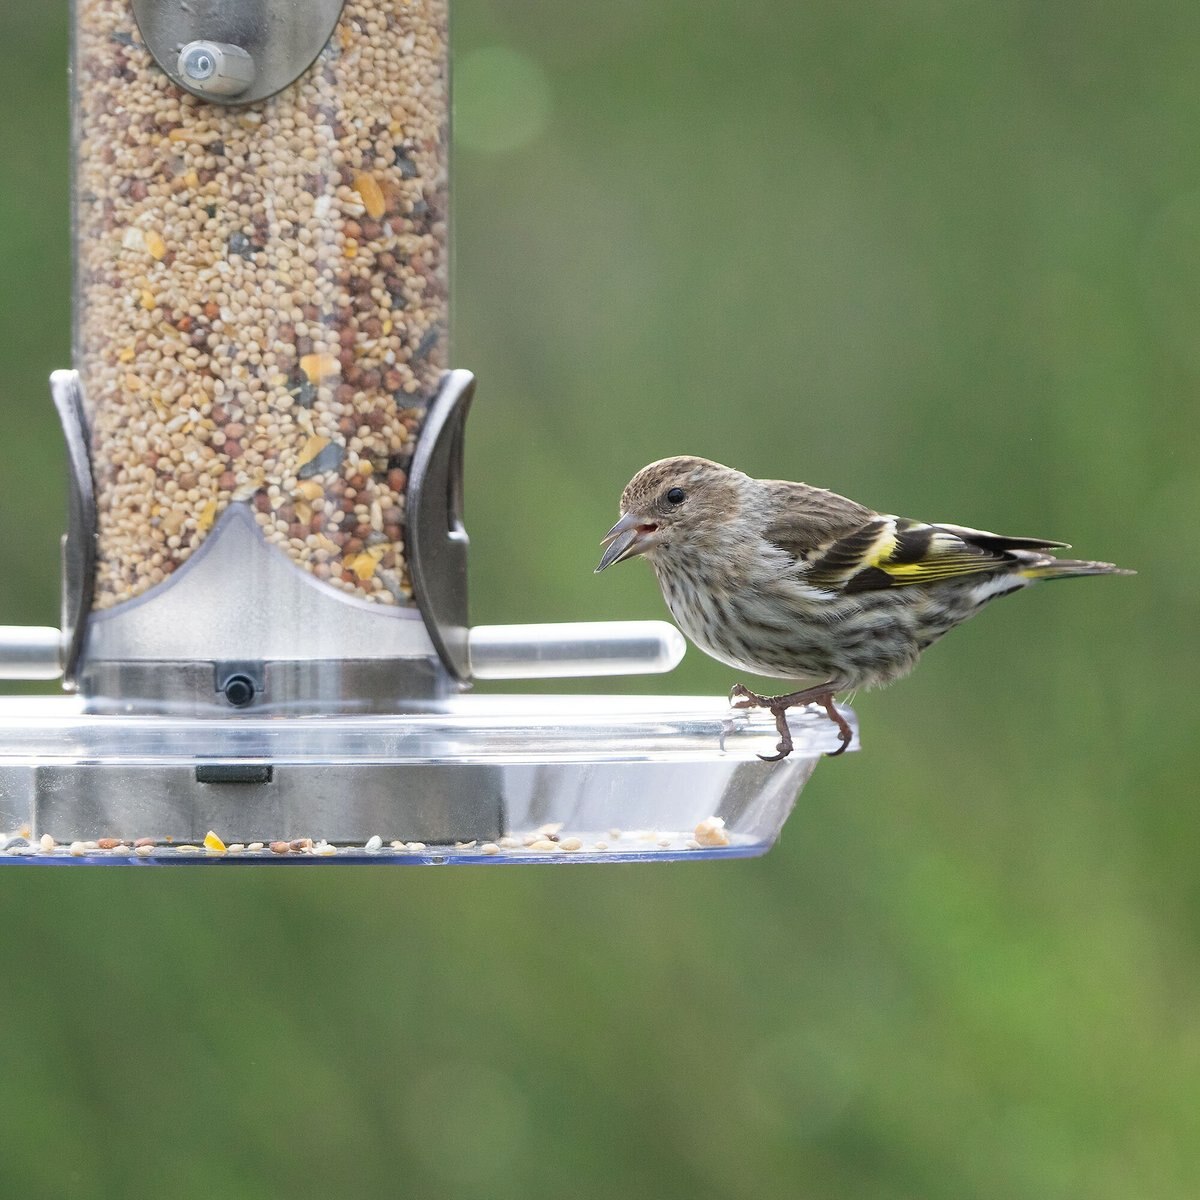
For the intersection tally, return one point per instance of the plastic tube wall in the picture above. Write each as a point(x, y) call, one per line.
point(261, 296)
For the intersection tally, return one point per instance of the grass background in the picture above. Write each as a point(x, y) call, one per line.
point(941, 255)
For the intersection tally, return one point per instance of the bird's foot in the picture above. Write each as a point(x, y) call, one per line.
point(741, 696)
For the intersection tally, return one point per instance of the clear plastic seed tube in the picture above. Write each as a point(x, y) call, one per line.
point(261, 296)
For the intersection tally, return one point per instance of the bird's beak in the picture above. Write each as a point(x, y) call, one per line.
point(627, 537)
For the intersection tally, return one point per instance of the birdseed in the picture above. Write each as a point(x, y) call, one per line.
point(711, 833)
point(261, 310)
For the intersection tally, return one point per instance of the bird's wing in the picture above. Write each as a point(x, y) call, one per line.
point(889, 552)
point(996, 541)
point(804, 521)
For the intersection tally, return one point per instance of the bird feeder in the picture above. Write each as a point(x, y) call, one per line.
point(264, 640)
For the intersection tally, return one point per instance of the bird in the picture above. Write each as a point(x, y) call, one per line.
point(798, 583)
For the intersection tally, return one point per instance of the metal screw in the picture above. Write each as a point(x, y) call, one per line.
point(215, 69)
point(198, 63)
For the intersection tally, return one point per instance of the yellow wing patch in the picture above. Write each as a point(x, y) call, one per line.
point(883, 546)
point(921, 553)
point(942, 556)
point(894, 552)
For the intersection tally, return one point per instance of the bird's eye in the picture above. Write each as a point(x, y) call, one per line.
point(676, 496)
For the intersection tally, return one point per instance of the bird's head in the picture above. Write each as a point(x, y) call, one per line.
point(673, 503)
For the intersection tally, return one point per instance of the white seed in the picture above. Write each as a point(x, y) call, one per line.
point(374, 842)
point(711, 832)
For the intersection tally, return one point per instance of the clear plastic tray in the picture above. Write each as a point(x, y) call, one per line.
point(491, 779)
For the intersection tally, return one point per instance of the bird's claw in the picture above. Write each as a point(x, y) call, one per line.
point(783, 752)
point(844, 737)
point(785, 736)
point(740, 696)
point(845, 733)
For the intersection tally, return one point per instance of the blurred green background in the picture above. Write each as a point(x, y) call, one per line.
point(942, 255)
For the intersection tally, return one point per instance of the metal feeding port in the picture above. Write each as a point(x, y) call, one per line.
point(264, 637)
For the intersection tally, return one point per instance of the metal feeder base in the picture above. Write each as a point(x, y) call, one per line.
point(489, 779)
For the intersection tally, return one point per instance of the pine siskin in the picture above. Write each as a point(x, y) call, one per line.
point(795, 582)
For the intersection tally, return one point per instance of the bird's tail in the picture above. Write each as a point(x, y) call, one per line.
point(1068, 568)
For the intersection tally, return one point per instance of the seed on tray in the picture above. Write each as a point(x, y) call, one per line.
point(711, 832)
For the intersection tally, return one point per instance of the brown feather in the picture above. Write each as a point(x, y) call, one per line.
point(804, 520)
